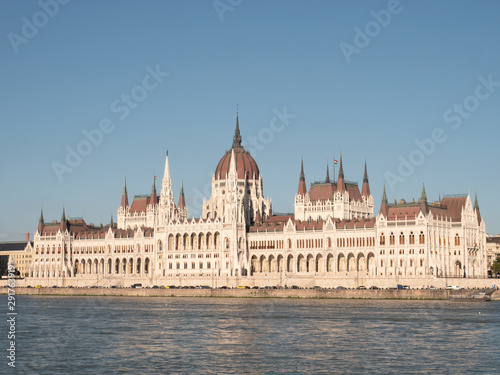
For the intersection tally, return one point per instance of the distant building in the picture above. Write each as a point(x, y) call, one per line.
point(492, 250)
point(333, 238)
point(17, 253)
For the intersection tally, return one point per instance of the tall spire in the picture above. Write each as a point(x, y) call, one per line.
point(63, 217)
point(182, 199)
point(124, 202)
point(423, 197)
point(153, 199)
point(237, 135)
point(327, 179)
point(111, 223)
point(302, 180)
point(341, 181)
point(365, 192)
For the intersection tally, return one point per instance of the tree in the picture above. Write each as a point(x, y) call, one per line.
point(495, 267)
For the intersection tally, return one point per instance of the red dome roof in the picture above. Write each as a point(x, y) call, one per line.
point(245, 164)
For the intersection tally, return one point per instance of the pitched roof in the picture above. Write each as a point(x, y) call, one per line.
point(454, 206)
point(140, 203)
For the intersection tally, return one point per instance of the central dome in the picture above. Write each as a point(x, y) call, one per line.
point(246, 167)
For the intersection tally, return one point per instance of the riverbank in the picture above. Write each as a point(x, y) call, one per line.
point(419, 294)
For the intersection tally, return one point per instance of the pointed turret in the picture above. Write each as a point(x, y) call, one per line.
point(167, 194)
point(423, 196)
point(327, 179)
point(153, 199)
point(182, 199)
point(64, 223)
point(365, 192)
point(111, 223)
point(423, 201)
point(124, 202)
point(237, 135)
point(384, 206)
point(41, 223)
point(341, 181)
point(302, 180)
point(476, 208)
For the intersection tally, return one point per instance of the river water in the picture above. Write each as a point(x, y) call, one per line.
point(115, 335)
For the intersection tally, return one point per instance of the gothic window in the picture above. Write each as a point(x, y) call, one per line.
point(401, 239)
point(422, 237)
point(382, 239)
point(391, 239)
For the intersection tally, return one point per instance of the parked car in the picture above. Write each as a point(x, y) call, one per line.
point(374, 287)
point(361, 287)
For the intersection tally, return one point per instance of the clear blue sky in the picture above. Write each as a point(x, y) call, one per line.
point(262, 55)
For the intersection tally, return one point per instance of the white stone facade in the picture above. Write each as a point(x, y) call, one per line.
point(237, 241)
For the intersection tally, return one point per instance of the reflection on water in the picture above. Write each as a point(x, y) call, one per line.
point(110, 335)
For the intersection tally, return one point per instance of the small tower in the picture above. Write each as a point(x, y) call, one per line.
point(302, 180)
point(476, 208)
point(64, 224)
point(423, 201)
point(341, 182)
point(181, 207)
point(182, 199)
point(124, 203)
point(365, 192)
point(41, 223)
point(153, 199)
point(384, 206)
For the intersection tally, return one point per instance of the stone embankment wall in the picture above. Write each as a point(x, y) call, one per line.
point(247, 293)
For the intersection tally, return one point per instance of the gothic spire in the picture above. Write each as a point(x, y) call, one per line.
point(365, 192)
point(41, 223)
point(237, 135)
point(384, 197)
point(111, 223)
point(182, 199)
point(302, 180)
point(341, 181)
point(124, 202)
point(476, 208)
point(327, 179)
point(423, 197)
point(64, 224)
point(153, 199)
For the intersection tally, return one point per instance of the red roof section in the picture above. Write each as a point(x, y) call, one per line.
point(326, 190)
point(140, 204)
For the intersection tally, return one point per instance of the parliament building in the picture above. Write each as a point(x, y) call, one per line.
point(333, 237)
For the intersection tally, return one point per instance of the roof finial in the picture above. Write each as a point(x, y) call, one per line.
point(476, 204)
point(327, 179)
point(41, 216)
point(365, 177)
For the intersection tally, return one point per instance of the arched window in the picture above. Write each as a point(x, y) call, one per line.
point(382, 239)
point(412, 238)
point(457, 240)
point(422, 237)
point(391, 239)
point(401, 239)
